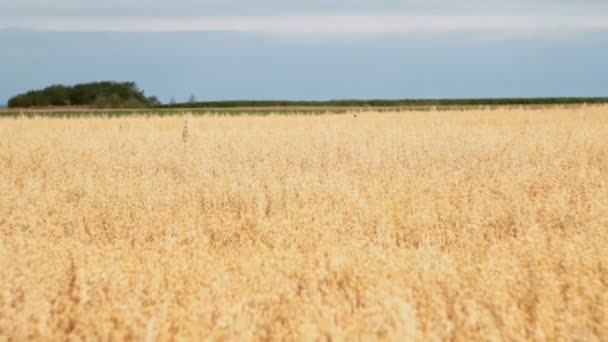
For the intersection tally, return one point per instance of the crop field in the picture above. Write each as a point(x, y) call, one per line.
point(417, 225)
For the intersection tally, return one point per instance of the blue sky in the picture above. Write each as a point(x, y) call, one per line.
point(270, 49)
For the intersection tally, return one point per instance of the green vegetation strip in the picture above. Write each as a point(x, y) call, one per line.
point(300, 107)
point(394, 103)
point(31, 113)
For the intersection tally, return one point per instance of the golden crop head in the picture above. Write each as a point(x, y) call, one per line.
point(431, 225)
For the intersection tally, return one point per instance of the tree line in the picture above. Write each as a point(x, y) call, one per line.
point(105, 94)
point(392, 103)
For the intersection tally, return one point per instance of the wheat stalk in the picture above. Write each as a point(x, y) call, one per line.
point(185, 132)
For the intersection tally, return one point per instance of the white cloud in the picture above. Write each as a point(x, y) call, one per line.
point(312, 24)
point(151, 8)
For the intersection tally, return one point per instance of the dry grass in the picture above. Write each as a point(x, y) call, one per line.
point(442, 225)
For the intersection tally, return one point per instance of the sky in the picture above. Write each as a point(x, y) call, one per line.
point(315, 49)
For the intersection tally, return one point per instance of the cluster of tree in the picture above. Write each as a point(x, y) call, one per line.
point(96, 94)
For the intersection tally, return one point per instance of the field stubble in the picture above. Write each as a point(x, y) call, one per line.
point(433, 225)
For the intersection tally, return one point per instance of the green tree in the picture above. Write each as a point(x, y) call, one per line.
point(153, 101)
point(97, 94)
point(132, 102)
point(101, 102)
point(115, 101)
point(58, 95)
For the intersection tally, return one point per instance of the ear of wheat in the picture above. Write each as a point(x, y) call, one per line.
point(185, 132)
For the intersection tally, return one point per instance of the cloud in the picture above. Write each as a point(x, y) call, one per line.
point(313, 24)
point(311, 17)
point(154, 8)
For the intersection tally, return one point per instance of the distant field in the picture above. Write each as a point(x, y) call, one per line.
point(427, 225)
point(294, 107)
point(408, 103)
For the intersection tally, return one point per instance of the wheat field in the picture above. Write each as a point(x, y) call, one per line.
point(435, 225)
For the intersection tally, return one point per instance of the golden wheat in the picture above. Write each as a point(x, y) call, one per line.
point(478, 225)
